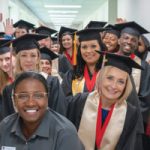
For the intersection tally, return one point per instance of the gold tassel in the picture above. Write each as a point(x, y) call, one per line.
point(74, 51)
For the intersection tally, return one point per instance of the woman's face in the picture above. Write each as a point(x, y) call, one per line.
point(20, 31)
point(141, 47)
point(113, 84)
point(31, 100)
point(67, 41)
point(88, 53)
point(111, 41)
point(29, 59)
point(46, 66)
point(5, 62)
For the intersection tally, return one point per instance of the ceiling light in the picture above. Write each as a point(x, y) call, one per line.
point(62, 6)
point(63, 12)
point(61, 18)
point(72, 16)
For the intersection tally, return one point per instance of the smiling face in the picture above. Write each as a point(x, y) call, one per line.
point(29, 59)
point(5, 62)
point(113, 84)
point(67, 41)
point(46, 66)
point(128, 43)
point(88, 53)
point(32, 109)
point(111, 41)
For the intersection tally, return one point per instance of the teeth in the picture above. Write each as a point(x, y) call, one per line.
point(31, 111)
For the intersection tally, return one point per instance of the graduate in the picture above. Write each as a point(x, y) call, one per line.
point(83, 77)
point(55, 47)
point(104, 118)
point(35, 126)
point(129, 39)
point(61, 64)
point(47, 42)
point(47, 56)
point(28, 59)
point(110, 38)
point(66, 37)
point(6, 68)
point(22, 27)
point(143, 49)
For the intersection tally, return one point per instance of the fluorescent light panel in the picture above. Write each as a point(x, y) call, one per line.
point(63, 12)
point(62, 6)
point(63, 16)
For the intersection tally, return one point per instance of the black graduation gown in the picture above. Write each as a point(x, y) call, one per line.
point(63, 65)
point(67, 84)
point(56, 98)
point(0, 107)
point(130, 139)
point(144, 97)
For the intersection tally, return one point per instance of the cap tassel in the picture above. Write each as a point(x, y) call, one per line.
point(104, 60)
point(74, 57)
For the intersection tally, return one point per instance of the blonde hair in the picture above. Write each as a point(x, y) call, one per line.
point(18, 68)
point(100, 76)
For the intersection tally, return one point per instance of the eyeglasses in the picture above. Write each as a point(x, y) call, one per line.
point(26, 96)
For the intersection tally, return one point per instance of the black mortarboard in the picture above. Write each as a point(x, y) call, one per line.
point(64, 30)
point(89, 34)
point(112, 29)
point(27, 42)
point(131, 28)
point(47, 54)
point(2, 34)
point(24, 24)
point(4, 48)
point(45, 30)
point(95, 24)
point(122, 62)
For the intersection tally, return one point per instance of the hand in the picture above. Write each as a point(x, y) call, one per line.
point(8, 26)
point(120, 20)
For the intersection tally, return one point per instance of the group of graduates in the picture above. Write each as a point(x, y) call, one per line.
point(75, 89)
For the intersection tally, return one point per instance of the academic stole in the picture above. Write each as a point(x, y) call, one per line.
point(90, 83)
point(100, 129)
point(69, 57)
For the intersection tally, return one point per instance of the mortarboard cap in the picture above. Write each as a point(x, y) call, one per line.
point(89, 34)
point(64, 30)
point(24, 24)
point(2, 34)
point(131, 28)
point(47, 54)
point(95, 24)
point(4, 48)
point(27, 42)
point(112, 29)
point(45, 30)
point(54, 39)
point(122, 62)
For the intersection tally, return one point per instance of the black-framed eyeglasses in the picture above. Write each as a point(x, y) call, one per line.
point(24, 96)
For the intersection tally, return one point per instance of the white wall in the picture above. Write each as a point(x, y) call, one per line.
point(135, 10)
point(16, 10)
point(101, 14)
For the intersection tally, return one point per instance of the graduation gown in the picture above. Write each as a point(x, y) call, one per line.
point(67, 84)
point(56, 98)
point(129, 139)
point(0, 107)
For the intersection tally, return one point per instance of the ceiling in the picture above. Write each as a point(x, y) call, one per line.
point(64, 16)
